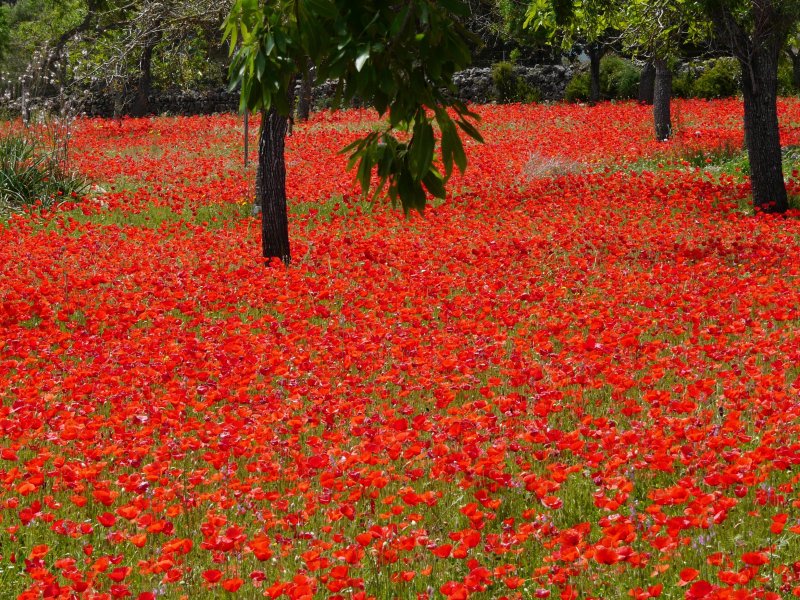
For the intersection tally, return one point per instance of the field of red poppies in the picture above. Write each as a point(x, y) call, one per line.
point(577, 377)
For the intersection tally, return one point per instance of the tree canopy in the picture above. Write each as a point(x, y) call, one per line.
point(398, 57)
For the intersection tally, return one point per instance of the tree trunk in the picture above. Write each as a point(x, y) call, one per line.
point(271, 186)
point(647, 83)
point(795, 56)
point(662, 94)
point(306, 88)
point(762, 135)
point(141, 102)
point(595, 54)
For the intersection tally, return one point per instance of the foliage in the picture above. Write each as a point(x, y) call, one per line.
point(399, 61)
point(73, 47)
point(786, 83)
point(566, 22)
point(506, 83)
point(5, 34)
point(504, 398)
point(683, 84)
point(657, 29)
point(33, 27)
point(32, 174)
point(513, 27)
point(619, 80)
point(186, 62)
point(721, 80)
point(510, 87)
point(577, 89)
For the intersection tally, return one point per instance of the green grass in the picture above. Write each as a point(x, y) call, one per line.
point(31, 174)
point(153, 216)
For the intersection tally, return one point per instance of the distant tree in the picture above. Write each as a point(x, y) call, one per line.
point(656, 30)
point(591, 23)
point(133, 38)
point(485, 20)
point(397, 56)
point(113, 45)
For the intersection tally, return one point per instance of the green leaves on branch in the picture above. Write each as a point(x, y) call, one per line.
point(398, 56)
point(406, 170)
point(263, 64)
point(658, 28)
point(569, 21)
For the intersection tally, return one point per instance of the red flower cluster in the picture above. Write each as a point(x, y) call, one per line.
point(574, 386)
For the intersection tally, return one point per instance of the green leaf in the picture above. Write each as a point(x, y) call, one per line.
point(362, 58)
point(260, 65)
point(364, 173)
point(470, 130)
point(459, 156)
point(447, 149)
point(318, 9)
point(386, 160)
point(434, 183)
point(411, 194)
point(421, 149)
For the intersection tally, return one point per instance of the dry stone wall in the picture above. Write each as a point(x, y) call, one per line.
point(474, 86)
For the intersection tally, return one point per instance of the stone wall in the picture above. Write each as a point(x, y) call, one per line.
point(474, 85)
point(174, 103)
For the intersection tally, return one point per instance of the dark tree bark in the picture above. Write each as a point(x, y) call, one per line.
point(761, 132)
point(271, 186)
point(757, 51)
point(595, 51)
point(662, 96)
point(306, 88)
point(141, 101)
point(647, 83)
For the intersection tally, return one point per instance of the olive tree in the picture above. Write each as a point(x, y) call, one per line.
point(398, 56)
point(68, 47)
point(755, 32)
point(655, 30)
point(592, 23)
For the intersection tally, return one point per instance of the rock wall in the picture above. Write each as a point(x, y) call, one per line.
point(174, 103)
point(474, 86)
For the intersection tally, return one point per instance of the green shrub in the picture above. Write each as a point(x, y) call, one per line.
point(509, 87)
point(529, 93)
point(719, 81)
point(30, 174)
point(682, 86)
point(577, 89)
point(505, 81)
point(786, 85)
point(619, 78)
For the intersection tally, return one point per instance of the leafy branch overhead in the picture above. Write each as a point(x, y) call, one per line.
point(398, 57)
point(588, 21)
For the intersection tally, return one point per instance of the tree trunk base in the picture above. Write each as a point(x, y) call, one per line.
point(271, 187)
point(662, 97)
